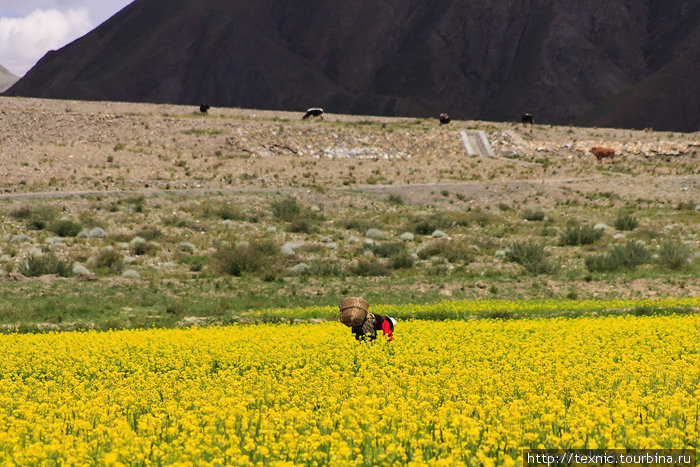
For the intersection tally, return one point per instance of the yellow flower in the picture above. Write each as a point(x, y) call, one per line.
point(446, 393)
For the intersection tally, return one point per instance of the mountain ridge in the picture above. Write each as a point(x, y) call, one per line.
point(563, 61)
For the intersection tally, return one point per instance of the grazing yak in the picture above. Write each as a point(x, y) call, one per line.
point(204, 108)
point(313, 112)
point(527, 118)
point(603, 153)
point(444, 119)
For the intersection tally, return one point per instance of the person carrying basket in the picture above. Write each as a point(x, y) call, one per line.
point(354, 313)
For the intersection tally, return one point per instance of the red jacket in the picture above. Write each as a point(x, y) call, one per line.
point(373, 323)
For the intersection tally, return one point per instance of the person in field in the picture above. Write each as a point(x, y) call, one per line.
point(354, 313)
point(373, 323)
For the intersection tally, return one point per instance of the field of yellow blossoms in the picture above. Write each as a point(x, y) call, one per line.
point(447, 392)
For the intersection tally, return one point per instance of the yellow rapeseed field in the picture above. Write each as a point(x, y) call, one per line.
point(460, 309)
point(443, 393)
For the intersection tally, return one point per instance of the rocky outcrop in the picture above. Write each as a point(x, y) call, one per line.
point(560, 60)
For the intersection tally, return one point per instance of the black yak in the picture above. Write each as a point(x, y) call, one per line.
point(313, 112)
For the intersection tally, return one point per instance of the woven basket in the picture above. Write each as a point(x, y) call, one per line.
point(353, 311)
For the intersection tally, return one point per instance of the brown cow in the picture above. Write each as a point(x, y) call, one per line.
point(603, 153)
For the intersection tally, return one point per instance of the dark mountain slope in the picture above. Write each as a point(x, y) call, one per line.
point(643, 106)
point(492, 60)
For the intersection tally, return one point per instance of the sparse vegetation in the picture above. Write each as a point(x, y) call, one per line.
point(365, 267)
point(686, 205)
point(674, 255)
point(256, 258)
point(109, 261)
point(532, 256)
point(36, 217)
point(627, 256)
point(452, 250)
point(626, 221)
point(360, 225)
point(65, 228)
point(286, 209)
point(49, 263)
point(301, 225)
point(533, 214)
point(450, 226)
point(402, 260)
point(387, 249)
point(396, 199)
point(222, 210)
point(574, 234)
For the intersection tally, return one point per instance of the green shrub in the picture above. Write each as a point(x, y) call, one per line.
point(40, 265)
point(589, 235)
point(625, 221)
point(36, 218)
point(627, 256)
point(367, 268)
point(89, 221)
point(426, 225)
point(396, 199)
point(109, 260)
point(388, 249)
point(674, 255)
point(301, 225)
point(326, 269)
point(603, 262)
point(451, 250)
point(632, 254)
point(286, 209)
point(255, 258)
point(402, 261)
point(144, 248)
point(222, 210)
point(135, 204)
point(577, 235)
point(21, 213)
point(532, 257)
point(149, 234)
point(361, 225)
point(195, 262)
point(478, 217)
point(686, 206)
point(175, 221)
point(65, 228)
point(533, 214)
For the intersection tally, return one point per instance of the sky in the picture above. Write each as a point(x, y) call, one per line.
point(30, 28)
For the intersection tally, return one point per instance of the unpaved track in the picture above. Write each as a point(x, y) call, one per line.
point(669, 188)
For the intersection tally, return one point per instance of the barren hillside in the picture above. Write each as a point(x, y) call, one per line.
point(83, 146)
